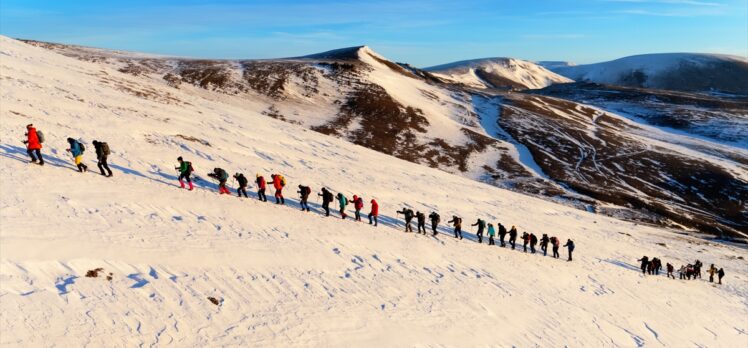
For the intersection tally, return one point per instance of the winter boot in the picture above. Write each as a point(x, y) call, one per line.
point(191, 186)
point(181, 183)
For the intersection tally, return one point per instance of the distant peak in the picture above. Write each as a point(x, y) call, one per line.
point(347, 53)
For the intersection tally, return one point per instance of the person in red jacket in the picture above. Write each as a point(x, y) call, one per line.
point(374, 212)
point(358, 204)
point(261, 186)
point(278, 183)
point(33, 145)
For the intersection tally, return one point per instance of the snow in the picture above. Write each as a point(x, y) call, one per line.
point(650, 64)
point(287, 278)
point(528, 74)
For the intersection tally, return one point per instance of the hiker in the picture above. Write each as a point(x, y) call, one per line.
point(185, 170)
point(435, 218)
point(502, 234)
point(222, 176)
point(421, 220)
point(644, 264)
point(327, 198)
point(544, 244)
point(533, 242)
point(358, 204)
point(697, 269)
point(408, 214)
point(525, 240)
point(555, 242)
point(342, 203)
point(711, 271)
point(670, 270)
point(656, 266)
point(570, 247)
point(481, 226)
point(102, 152)
point(513, 236)
point(34, 140)
point(720, 274)
point(261, 186)
point(278, 183)
point(682, 272)
point(689, 271)
point(77, 149)
point(374, 213)
point(457, 223)
point(304, 192)
point(242, 181)
point(491, 233)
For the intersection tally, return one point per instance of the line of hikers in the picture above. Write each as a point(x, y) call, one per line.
point(527, 238)
point(185, 170)
point(35, 139)
point(654, 265)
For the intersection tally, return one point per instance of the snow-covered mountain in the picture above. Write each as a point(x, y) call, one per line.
point(587, 155)
point(671, 71)
point(281, 277)
point(502, 73)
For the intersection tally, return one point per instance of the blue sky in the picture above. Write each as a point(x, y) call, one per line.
point(422, 33)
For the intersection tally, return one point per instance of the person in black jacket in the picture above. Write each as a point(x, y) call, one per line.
point(434, 217)
point(457, 221)
point(513, 236)
point(304, 192)
point(720, 274)
point(327, 198)
point(502, 234)
point(569, 247)
point(242, 181)
point(644, 264)
point(533, 242)
point(408, 214)
point(421, 219)
point(481, 226)
point(102, 152)
point(544, 244)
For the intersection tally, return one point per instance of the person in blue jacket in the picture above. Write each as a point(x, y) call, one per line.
point(570, 245)
point(77, 149)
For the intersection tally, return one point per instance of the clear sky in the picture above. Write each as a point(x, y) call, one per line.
point(422, 33)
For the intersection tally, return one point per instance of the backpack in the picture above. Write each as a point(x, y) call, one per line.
point(283, 180)
point(306, 190)
point(105, 149)
point(40, 136)
point(83, 147)
point(189, 167)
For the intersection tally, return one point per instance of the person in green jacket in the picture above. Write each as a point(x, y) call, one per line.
point(185, 170)
point(343, 203)
point(491, 233)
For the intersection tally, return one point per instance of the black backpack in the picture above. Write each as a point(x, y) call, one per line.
point(105, 149)
point(83, 147)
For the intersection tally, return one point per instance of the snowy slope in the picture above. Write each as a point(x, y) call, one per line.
point(286, 278)
point(487, 135)
point(674, 71)
point(498, 73)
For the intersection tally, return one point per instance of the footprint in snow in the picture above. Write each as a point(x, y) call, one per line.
point(62, 284)
point(336, 251)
